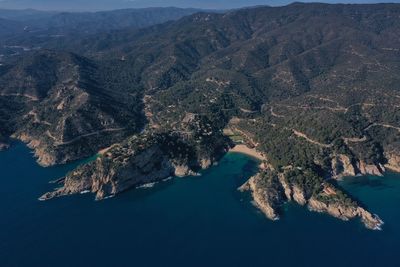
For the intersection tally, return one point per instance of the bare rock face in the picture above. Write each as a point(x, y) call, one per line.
point(181, 170)
point(267, 193)
point(346, 212)
point(299, 196)
point(342, 166)
point(334, 209)
point(205, 163)
point(286, 187)
point(371, 169)
point(371, 221)
point(44, 158)
point(393, 158)
point(46, 155)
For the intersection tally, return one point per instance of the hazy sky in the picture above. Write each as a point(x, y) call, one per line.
point(114, 4)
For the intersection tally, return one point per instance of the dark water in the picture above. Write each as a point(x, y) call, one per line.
point(195, 221)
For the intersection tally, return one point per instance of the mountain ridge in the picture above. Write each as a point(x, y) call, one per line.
point(314, 89)
point(113, 4)
point(28, 30)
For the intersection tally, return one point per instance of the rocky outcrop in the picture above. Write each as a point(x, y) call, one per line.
point(286, 187)
point(205, 163)
point(4, 146)
point(372, 169)
point(46, 155)
point(44, 158)
point(393, 160)
point(299, 195)
point(140, 160)
point(181, 170)
point(267, 193)
point(346, 212)
point(271, 189)
point(104, 179)
point(342, 166)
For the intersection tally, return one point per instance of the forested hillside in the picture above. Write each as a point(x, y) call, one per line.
point(313, 87)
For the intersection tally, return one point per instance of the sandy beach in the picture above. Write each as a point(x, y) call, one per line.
point(248, 151)
point(105, 150)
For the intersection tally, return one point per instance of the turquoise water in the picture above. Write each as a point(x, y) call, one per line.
point(194, 221)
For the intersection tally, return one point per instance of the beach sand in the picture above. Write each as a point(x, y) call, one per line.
point(248, 151)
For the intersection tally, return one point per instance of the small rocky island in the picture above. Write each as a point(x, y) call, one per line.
point(312, 88)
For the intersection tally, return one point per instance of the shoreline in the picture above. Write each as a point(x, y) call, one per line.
point(243, 149)
point(105, 150)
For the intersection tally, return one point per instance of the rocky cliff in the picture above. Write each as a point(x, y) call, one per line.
point(270, 192)
point(145, 158)
point(267, 193)
point(104, 179)
point(392, 155)
point(345, 211)
point(343, 166)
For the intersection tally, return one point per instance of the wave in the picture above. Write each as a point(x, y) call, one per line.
point(148, 185)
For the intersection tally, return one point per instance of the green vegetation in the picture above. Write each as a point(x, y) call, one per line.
point(314, 87)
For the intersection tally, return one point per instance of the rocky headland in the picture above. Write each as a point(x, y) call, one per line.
point(146, 158)
point(270, 190)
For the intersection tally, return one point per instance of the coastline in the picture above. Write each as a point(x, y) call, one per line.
point(243, 149)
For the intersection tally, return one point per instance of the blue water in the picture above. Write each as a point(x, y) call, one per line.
point(194, 221)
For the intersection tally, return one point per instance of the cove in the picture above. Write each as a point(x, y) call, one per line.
point(193, 221)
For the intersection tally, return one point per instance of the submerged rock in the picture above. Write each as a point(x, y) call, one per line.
point(4, 146)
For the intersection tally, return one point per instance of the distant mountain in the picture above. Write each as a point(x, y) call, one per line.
point(25, 14)
point(93, 22)
point(84, 5)
point(312, 87)
point(23, 30)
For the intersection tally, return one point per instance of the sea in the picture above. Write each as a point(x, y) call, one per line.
point(194, 221)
